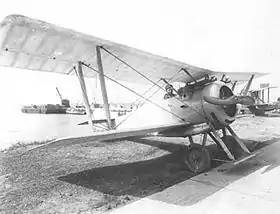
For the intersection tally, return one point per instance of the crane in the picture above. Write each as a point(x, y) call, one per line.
point(64, 102)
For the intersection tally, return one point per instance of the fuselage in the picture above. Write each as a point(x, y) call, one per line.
point(192, 107)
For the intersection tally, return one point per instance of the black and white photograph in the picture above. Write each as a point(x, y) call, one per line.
point(128, 107)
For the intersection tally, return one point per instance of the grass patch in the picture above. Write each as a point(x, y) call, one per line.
point(24, 145)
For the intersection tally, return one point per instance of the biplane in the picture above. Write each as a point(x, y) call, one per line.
point(204, 104)
point(263, 105)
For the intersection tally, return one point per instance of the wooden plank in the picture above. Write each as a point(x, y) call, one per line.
point(245, 158)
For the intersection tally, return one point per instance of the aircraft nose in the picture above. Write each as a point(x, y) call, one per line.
point(225, 99)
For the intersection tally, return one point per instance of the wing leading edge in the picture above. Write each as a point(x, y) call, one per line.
point(32, 44)
point(115, 134)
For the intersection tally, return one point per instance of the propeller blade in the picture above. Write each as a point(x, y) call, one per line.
point(244, 100)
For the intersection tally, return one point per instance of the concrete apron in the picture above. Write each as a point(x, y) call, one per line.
point(249, 187)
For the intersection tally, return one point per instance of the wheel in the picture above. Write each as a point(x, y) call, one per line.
point(197, 158)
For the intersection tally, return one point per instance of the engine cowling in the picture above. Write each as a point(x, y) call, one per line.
point(215, 103)
point(219, 104)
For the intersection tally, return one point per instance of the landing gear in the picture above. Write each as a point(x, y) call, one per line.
point(233, 146)
point(197, 158)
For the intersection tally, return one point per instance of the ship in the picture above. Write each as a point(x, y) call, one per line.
point(48, 108)
point(44, 109)
point(78, 110)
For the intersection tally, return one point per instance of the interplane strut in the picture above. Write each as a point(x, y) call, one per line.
point(80, 76)
point(103, 87)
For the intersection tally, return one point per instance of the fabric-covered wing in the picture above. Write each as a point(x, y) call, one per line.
point(263, 88)
point(114, 134)
point(239, 77)
point(36, 45)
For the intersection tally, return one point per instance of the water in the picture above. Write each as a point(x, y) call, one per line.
point(16, 126)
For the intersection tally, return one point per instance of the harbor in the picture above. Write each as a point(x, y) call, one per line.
point(40, 126)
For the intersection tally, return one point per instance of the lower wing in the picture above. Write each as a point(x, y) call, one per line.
point(118, 134)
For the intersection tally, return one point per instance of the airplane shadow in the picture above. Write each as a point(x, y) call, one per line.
point(138, 179)
point(144, 178)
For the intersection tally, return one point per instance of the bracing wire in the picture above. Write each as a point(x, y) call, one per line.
point(139, 98)
point(125, 63)
point(134, 92)
point(101, 127)
point(125, 119)
point(163, 85)
point(136, 110)
point(94, 125)
point(72, 62)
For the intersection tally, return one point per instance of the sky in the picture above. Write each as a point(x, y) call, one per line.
point(229, 36)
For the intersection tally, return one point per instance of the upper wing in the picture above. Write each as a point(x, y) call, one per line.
point(36, 45)
point(116, 134)
point(263, 88)
point(239, 77)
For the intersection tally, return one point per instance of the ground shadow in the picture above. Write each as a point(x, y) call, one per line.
point(139, 179)
point(145, 178)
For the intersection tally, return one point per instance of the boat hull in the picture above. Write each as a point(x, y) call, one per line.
point(44, 109)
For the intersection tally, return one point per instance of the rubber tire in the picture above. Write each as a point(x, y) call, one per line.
point(205, 158)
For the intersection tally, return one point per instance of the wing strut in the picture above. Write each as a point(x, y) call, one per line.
point(233, 85)
point(103, 87)
point(247, 87)
point(80, 76)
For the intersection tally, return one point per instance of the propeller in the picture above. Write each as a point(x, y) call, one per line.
point(244, 100)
